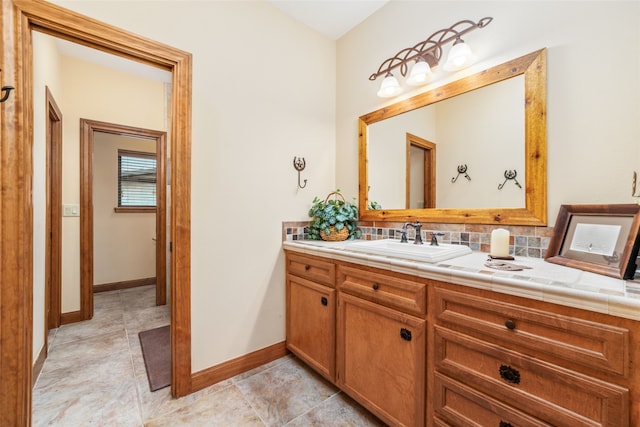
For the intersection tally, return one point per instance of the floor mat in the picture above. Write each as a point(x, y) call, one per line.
point(156, 351)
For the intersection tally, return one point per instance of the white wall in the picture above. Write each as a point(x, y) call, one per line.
point(593, 76)
point(263, 92)
point(123, 248)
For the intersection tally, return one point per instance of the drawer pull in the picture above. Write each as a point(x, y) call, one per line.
point(324, 301)
point(405, 334)
point(376, 286)
point(307, 267)
point(504, 424)
point(509, 374)
point(510, 324)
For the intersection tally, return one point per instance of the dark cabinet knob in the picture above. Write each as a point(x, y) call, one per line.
point(375, 286)
point(324, 301)
point(307, 267)
point(504, 424)
point(510, 324)
point(405, 334)
point(509, 374)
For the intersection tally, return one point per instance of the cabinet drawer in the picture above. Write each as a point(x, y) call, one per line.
point(545, 391)
point(315, 269)
point(591, 344)
point(459, 405)
point(402, 294)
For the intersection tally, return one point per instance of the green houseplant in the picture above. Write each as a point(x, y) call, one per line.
point(333, 218)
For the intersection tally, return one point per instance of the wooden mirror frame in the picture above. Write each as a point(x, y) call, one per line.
point(533, 67)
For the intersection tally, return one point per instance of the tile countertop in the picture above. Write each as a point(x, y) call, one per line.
point(544, 281)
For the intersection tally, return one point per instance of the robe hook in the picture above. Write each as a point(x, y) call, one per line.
point(462, 169)
point(7, 90)
point(299, 164)
point(510, 175)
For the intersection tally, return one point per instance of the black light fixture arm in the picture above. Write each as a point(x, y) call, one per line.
point(430, 49)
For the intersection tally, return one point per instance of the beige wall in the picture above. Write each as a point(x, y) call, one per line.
point(593, 84)
point(45, 54)
point(123, 248)
point(263, 92)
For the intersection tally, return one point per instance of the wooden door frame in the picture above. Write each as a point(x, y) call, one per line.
point(53, 231)
point(87, 129)
point(18, 18)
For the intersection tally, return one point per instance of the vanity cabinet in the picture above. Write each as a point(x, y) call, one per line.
point(523, 366)
point(381, 344)
point(311, 312)
point(421, 352)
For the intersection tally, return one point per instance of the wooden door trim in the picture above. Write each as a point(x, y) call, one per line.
point(53, 230)
point(19, 18)
point(87, 129)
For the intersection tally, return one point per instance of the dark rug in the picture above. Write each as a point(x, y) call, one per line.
point(156, 350)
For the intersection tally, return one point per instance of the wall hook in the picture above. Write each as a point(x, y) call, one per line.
point(6, 90)
point(633, 187)
point(462, 169)
point(299, 164)
point(510, 175)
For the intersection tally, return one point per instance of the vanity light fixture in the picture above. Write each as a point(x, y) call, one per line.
point(426, 55)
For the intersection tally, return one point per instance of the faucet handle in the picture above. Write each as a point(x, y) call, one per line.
point(434, 238)
point(403, 238)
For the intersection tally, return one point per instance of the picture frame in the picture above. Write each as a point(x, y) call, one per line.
point(602, 239)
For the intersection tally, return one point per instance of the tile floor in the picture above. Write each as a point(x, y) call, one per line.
point(95, 376)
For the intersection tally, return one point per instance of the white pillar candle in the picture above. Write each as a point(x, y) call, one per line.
point(500, 243)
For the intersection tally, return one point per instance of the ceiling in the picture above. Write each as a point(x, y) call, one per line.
point(332, 18)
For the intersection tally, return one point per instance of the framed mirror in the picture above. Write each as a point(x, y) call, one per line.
point(471, 151)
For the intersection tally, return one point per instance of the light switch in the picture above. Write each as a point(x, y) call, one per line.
point(70, 210)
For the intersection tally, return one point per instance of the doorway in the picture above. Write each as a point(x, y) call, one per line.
point(20, 18)
point(421, 173)
point(88, 130)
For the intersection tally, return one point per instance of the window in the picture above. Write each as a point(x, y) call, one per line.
point(136, 181)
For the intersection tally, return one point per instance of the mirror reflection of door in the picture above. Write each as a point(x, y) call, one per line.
point(421, 173)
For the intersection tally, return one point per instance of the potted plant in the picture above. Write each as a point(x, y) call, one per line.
point(333, 218)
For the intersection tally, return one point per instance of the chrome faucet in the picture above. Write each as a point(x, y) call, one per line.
point(418, 227)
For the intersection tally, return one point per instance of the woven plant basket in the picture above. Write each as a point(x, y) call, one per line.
point(335, 235)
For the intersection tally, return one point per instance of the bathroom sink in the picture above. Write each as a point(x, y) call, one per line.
point(424, 252)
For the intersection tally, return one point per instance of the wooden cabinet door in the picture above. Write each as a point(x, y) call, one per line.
point(381, 360)
point(311, 324)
